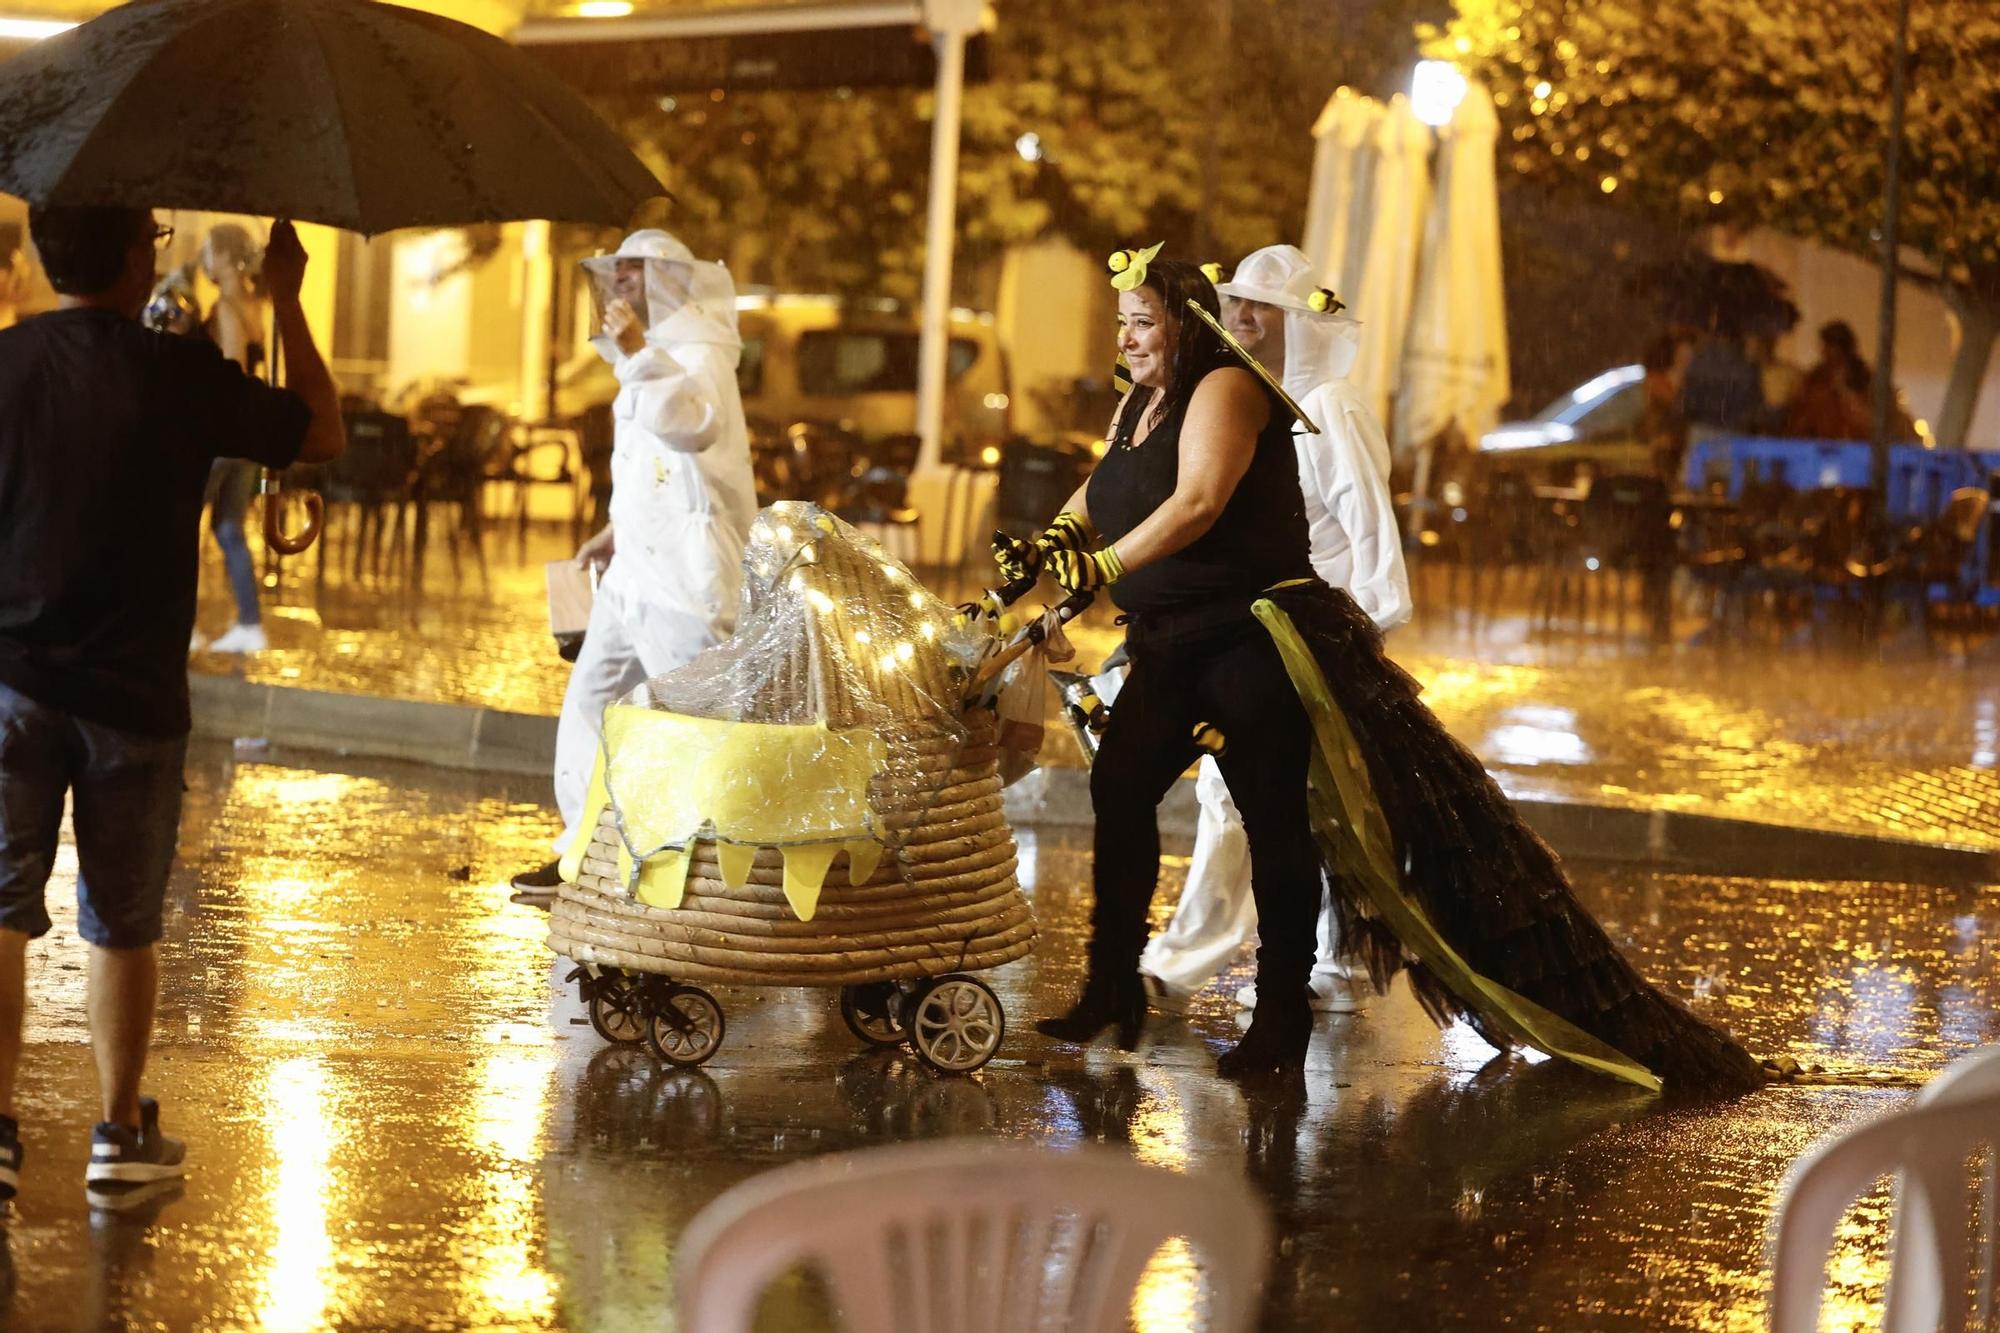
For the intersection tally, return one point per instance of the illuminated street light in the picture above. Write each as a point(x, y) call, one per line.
point(1029, 146)
point(1436, 89)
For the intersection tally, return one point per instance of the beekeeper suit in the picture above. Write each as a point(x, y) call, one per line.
point(682, 493)
point(1344, 474)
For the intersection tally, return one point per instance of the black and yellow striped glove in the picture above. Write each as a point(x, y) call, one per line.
point(1085, 571)
point(1017, 559)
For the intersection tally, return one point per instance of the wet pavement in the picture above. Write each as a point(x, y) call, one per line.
point(387, 1132)
point(1908, 746)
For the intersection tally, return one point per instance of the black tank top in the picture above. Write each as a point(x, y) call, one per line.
point(1260, 538)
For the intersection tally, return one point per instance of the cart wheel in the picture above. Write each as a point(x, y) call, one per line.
point(616, 1010)
point(874, 1013)
point(684, 1025)
point(957, 1024)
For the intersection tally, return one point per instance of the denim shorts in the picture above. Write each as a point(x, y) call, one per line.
point(127, 789)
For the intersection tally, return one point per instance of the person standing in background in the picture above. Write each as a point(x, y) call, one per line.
point(235, 324)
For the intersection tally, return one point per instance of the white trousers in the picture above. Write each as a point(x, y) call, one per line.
point(1217, 915)
point(614, 661)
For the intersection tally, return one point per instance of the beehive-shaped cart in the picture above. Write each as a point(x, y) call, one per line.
point(807, 804)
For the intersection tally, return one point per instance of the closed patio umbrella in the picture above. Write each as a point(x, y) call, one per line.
point(1455, 370)
point(1381, 296)
point(1337, 208)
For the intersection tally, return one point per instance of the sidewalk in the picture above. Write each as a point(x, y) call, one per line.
point(1904, 749)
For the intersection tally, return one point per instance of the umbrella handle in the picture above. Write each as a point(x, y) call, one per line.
point(275, 535)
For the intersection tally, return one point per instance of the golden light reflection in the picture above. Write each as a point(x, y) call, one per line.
point(298, 1287)
point(1160, 1124)
point(1169, 1291)
point(507, 1282)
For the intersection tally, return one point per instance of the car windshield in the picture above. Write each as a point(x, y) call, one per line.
point(1612, 401)
point(844, 361)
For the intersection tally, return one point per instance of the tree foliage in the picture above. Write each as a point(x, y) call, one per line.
point(1147, 118)
point(1773, 112)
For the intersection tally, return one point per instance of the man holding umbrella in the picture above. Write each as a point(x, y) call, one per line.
point(107, 432)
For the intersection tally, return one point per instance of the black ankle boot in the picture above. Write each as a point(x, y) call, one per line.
point(1117, 997)
point(1275, 1046)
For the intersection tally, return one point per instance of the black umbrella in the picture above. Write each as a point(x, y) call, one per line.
point(351, 113)
point(1719, 296)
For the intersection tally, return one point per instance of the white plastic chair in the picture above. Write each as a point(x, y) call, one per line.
point(971, 1236)
point(1927, 1148)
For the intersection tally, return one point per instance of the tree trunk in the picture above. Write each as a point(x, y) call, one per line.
point(1978, 323)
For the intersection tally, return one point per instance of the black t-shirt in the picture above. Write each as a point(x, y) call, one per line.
point(1258, 540)
point(107, 431)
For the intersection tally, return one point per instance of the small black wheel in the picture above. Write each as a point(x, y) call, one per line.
point(957, 1024)
point(874, 1013)
point(616, 1011)
point(683, 1024)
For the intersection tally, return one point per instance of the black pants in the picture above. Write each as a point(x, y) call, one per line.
point(1231, 677)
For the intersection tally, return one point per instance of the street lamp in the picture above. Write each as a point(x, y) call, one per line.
point(1436, 89)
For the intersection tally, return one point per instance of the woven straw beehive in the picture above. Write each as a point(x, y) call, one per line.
point(836, 635)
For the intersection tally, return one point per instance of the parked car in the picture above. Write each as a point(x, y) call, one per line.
point(830, 391)
point(1597, 422)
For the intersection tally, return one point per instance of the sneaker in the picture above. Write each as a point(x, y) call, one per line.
point(10, 1157)
point(1331, 994)
point(1162, 996)
point(537, 887)
point(123, 1158)
point(241, 639)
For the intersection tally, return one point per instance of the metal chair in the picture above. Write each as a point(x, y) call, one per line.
point(971, 1236)
point(1934, 1255)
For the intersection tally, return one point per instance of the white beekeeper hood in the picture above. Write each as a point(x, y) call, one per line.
point(680, 299)
point(1320, 345)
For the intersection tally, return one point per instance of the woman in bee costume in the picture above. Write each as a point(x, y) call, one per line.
point(1195, 524)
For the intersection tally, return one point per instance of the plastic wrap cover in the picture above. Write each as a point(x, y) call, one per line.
point(829, 721)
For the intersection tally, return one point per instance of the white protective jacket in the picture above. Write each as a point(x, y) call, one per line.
point(1344, 472)
point(682, 492)
point(1344, 469)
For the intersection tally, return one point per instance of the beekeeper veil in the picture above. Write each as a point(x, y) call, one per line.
point(678, 298)
point(1320, 342)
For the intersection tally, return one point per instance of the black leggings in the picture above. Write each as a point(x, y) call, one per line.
point(1232, 678)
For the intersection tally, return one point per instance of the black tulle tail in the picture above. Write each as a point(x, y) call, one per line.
point(1454, 888)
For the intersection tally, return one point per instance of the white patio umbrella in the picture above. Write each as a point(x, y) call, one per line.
point(1455, 370)
point(1386, 275)
point(1337, 205)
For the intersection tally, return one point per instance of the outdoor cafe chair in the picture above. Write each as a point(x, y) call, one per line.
point(1936, 575)
point(971, 1236)
point(1943, 1152)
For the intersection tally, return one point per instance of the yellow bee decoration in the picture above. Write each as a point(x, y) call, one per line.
point(1128, 267)
point(1324, 302)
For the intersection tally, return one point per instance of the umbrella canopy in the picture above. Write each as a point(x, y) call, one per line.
point(1720, 296)
point(345, 112)
point(1397, 194)
point(1337, 208)
point(1455, 370)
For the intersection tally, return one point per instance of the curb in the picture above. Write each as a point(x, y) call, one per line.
point(491, 740)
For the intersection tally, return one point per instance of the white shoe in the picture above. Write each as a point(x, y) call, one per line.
point(241, 639)
point(1331, 994)
point(1162, 996)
